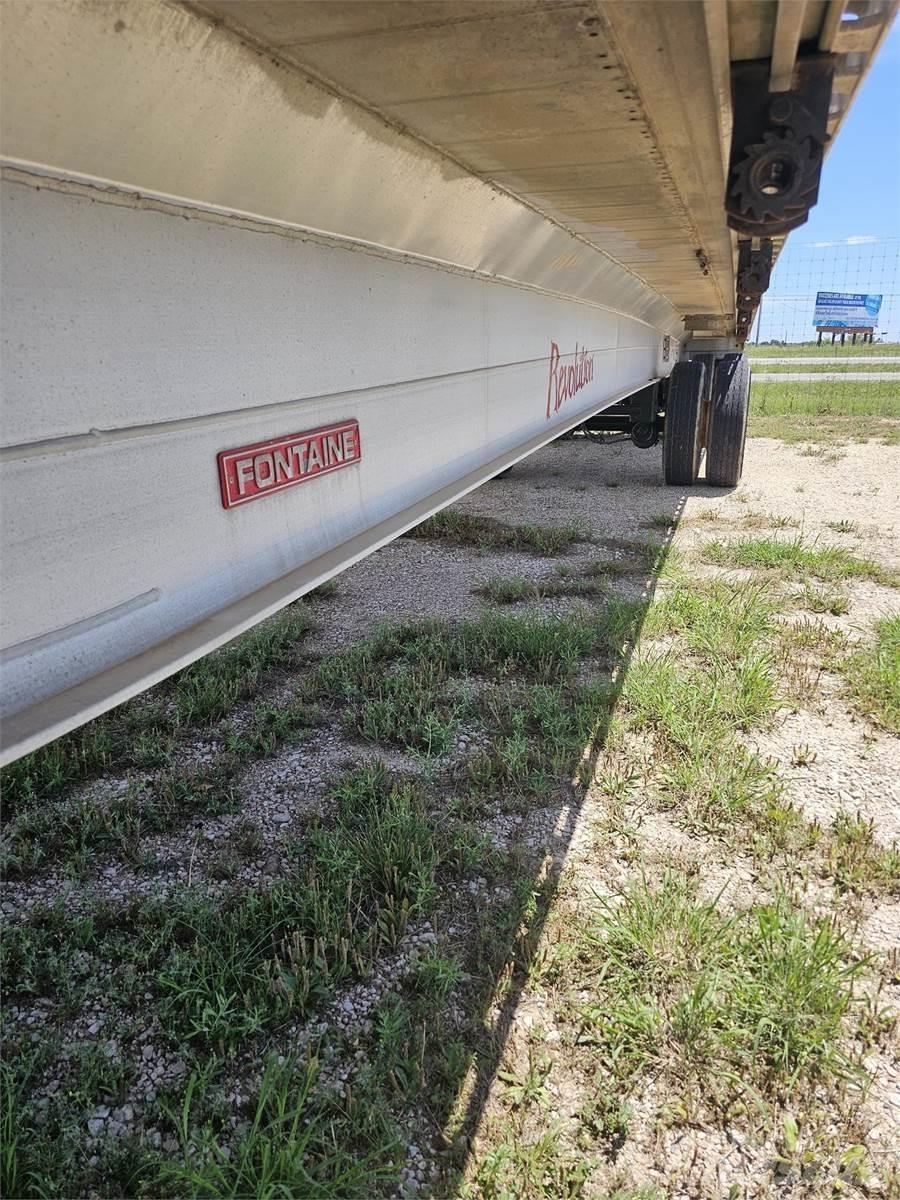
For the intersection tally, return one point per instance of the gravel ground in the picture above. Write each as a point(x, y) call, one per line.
point(617, 492)
point(853, 767)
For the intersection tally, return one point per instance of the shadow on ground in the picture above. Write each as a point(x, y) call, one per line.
point(429, 1068)
point(635, 504)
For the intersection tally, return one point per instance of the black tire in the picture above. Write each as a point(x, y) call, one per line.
point(681, 439)
point(645, 437)
point(728, 422)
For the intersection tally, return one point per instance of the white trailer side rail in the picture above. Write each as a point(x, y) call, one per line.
point(190, 337)
point(439, 234)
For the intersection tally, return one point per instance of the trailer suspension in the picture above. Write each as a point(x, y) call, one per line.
point(640, 416)
point(777, 147)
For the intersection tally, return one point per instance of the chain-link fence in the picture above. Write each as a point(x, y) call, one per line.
point(826, 340)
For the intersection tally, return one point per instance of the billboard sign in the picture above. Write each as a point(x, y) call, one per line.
point(846, 310)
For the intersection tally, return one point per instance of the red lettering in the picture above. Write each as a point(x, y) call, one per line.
point(263, 468)
point(554, 362)
point(567, 379)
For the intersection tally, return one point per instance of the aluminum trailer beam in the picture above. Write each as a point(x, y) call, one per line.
point(204, 251)
point(380, 251)
point(193, 336)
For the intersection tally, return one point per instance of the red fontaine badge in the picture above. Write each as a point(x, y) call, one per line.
point(251, 472)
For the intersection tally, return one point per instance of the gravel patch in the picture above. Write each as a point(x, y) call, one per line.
point(574, 836)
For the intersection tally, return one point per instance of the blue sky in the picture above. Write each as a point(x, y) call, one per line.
point(852, 239)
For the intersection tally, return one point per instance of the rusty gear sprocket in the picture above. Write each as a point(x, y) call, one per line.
point(773, 179)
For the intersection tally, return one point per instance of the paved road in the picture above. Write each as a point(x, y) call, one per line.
point(827, 376)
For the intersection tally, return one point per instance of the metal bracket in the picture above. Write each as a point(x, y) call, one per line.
point(638, 415)
point(777, 146)
point(754, 273)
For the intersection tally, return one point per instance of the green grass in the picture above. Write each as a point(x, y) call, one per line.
point(297, 1135)
point(514, 589)
point(694, 700)
point(823, 600)
point(639, 553)
point(414, 686)
point(20, 1174)
point(824, 413)
point(732, 665)
point(359, 881)
point(486, 533)
point(718, 1004)
point(856, 364)
point(365, 876)
point(587, 580)
point(287, 1149)
point(759, 520)
point(873, 675)
point(411, 687)
point(74, 832)
point(805, 648)
point(325, 591)
point(533, 1169)
point(826, 350)
point(62, 764)
point(224, 976)
point(537, 735)
point(661, 520)
point(689, 703)
point(726, 681)
point(208, 690)
point(824, 430)
point(693, 714)
point(143, 733)
point(823, 399)
point(856, 861)
point(714, 617)
point(798, 559)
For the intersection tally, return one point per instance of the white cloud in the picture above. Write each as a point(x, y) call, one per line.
point(856, 239)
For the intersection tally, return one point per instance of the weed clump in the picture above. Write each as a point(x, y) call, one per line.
point(856, 861)
point(798, 559)
point(695, 700)
point(716, 1001)
point(873, 674)
point(414, 686)
point(486, 533)
point(362, 879)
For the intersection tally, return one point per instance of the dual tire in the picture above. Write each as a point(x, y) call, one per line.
point(727, 434)
point(707, 412)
